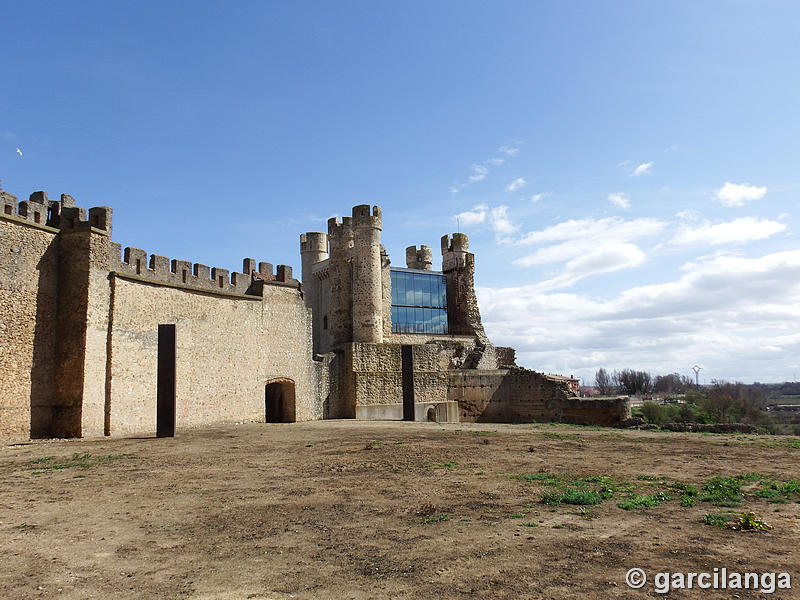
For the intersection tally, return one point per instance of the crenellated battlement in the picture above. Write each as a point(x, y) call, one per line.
point(419, 257)
point(457, 242)
point(340, 232)
point(314, 241)
point(183, 273)
point(63, 214)
point(363, 217)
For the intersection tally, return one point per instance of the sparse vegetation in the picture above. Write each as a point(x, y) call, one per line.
point(722, 491)
point(635, 501)
point(83, 461)
point(748, 522)
point(436, 518)
point(572, 496)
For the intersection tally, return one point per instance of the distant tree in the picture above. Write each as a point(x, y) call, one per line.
point(721, 401)
point(603, 382)
point(635, 382)
point(673, 383)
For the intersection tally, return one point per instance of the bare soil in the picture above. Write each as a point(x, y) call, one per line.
point(344, 509)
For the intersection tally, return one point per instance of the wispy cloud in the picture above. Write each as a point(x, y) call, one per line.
point(624, 163)
point(642, 169)
point(518, 183)
point(479, 171)
point(472, 217)
point(620, 200)
point(7, 135)
point(508, 150)
point(541, 196)
point(738, 231)
point(500, 221)
point(736, 194)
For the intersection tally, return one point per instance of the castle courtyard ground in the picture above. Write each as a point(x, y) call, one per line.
point(343, 509)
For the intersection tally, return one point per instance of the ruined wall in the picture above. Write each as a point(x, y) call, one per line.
point(523, 396)
point(228, 348)
point(28, 297)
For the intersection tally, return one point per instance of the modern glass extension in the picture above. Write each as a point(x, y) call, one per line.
point(419, 301)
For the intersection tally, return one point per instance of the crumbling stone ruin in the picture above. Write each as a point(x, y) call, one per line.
point(97, 341)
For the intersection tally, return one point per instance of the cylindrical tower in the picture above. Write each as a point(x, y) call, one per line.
point(313, 249)
point(419, 258)
point(454, 251)
point(340, 236)
point(367, 287)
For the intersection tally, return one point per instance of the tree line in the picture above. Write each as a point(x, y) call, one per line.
point(632, 383)
point(719, 402)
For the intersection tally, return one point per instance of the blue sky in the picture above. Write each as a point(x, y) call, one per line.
point(627, 171)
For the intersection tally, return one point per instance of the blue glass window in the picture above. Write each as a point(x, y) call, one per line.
point(419, 301)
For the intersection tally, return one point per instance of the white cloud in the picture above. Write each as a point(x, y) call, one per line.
point(620, 200)
point(508, 150)
point(541, 196)
point(642, 169)
point(479, 172)
point(500, 221)
point(624, 163)
point(733, 315)
point(472, 217)
point(689, 215)
point(736, 194)
point(612, 256)
point(516, 184)
point(596, 230)
point(738, 231)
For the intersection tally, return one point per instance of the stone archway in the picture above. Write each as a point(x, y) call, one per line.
point(279, 399)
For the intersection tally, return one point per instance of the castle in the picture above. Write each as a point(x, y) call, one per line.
point(98, 341)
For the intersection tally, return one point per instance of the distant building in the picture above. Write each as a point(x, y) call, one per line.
point(573, 384)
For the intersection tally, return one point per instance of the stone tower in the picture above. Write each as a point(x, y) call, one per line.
point(367, 284)
point(419, 258)
point(313, 249)
point(340, 236)
point(458, 266)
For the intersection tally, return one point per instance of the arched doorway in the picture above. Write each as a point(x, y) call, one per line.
point(279, 401)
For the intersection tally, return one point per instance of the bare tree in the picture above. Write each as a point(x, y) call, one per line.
point(603, 383)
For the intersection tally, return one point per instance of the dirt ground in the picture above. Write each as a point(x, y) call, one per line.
point(343, 509)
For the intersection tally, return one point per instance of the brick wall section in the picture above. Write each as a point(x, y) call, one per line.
point(28, 296)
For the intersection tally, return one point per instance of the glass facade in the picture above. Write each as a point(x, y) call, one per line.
point(419, 301)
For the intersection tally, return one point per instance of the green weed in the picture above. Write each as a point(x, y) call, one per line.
point(436, 518)
point(718, 520)
point(533, 476)
point(572, 496)
point(637, 501)
point(722, 491)
point(748, 522)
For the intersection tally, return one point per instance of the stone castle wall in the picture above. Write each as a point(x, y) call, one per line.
point(228, 348)
point(29, 270)
point(79, 351)
point(523, 396)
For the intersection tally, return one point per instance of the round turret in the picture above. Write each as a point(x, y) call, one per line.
point(419, 258)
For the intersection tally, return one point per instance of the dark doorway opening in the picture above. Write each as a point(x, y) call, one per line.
point(407, 355)
point(279, 404)
point(165, 390)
